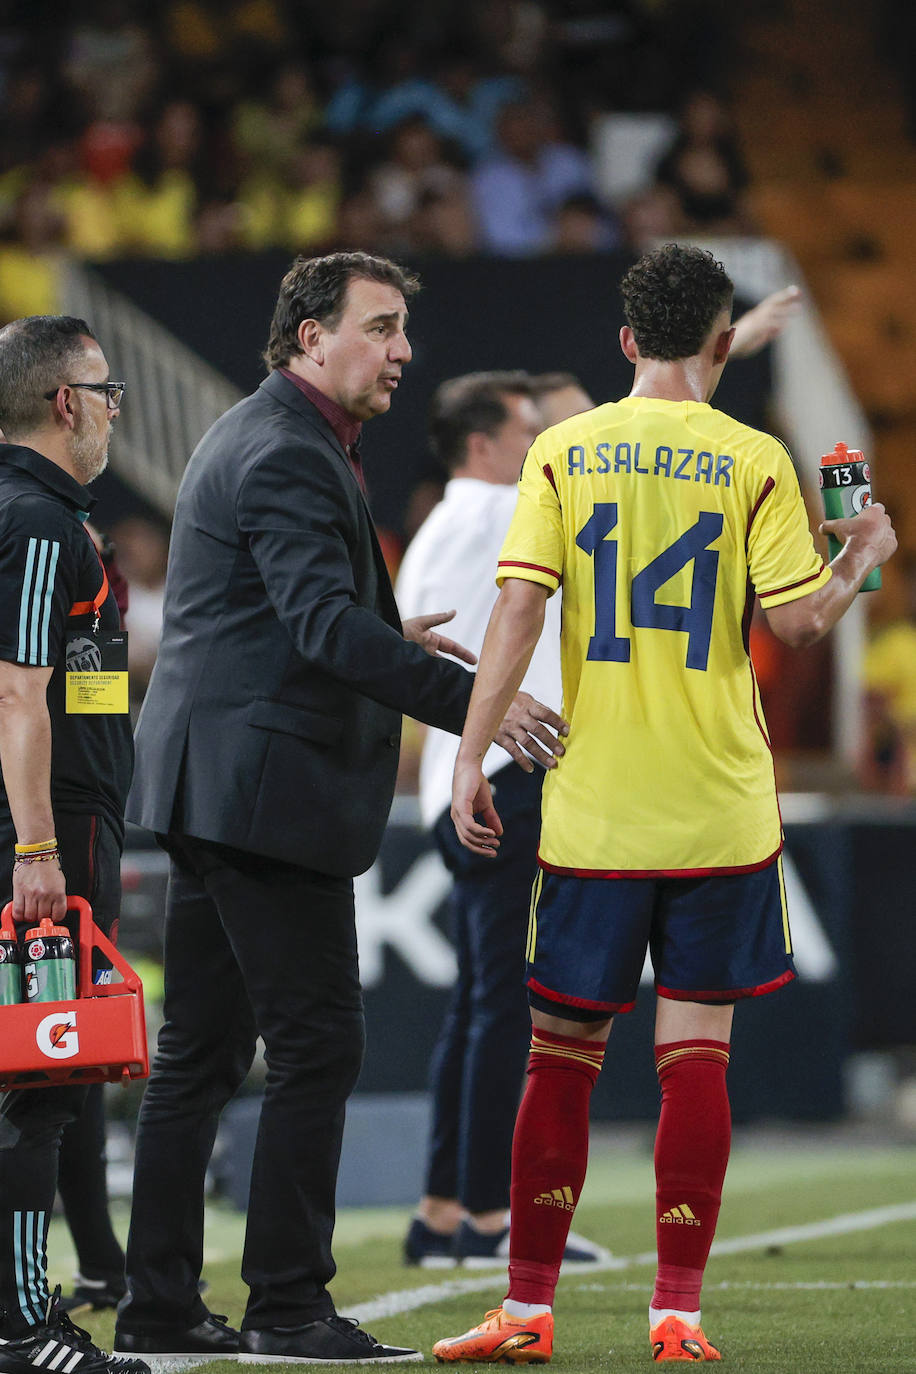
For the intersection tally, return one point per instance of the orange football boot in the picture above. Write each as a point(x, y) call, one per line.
point(500, 1339)
point(674, 1339)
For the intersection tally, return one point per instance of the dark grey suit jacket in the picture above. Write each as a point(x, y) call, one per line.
point(272, 720)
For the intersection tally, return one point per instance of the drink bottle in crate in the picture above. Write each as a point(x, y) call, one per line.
point(846, 488)
point(10, 967)
point(50, 964)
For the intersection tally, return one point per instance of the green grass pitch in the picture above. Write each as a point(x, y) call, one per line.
point(828, 1300)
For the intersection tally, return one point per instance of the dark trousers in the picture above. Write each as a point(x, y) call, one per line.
point(479, 1059)
point(32, 1119)
point(83, 1186)
point(252, 947)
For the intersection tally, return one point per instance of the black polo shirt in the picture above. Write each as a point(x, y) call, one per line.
point(51, 585)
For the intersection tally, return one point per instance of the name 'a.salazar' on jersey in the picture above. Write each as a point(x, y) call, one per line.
point(659, 520)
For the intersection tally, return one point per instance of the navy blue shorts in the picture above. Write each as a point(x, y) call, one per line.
point(713, 939)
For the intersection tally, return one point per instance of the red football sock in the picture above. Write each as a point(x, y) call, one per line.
point(549, 1157)
point(691, 1156)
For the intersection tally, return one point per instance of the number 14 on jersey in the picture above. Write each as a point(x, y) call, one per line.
point(694, 620)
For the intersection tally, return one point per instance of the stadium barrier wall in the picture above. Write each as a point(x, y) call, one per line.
point(852, 907)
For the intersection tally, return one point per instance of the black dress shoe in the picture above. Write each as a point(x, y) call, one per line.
point(211, 1339)
point(331, 1340)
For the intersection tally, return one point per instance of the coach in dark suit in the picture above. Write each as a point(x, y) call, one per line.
point(266, 758)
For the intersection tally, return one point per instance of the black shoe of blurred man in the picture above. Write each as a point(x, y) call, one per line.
point(211, 1339)
point(332, 1339)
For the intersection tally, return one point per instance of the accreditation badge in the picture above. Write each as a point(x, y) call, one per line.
point(97, 673)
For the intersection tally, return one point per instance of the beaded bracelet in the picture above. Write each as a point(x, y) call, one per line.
point(37, 858)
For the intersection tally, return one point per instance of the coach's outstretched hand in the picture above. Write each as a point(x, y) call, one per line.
point(527, 726)
point(421, 631)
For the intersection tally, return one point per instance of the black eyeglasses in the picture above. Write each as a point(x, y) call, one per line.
point(113, 391)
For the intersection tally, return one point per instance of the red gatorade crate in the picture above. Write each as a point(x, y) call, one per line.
point(98, 1037)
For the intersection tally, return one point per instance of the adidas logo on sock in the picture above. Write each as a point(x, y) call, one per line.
point(681, 1216)
point(557, 1197)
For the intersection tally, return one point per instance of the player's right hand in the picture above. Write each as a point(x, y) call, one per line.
point(39, 890)
point(872, 528)
point(471, 797)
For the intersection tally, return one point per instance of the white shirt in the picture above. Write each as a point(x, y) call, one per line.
point(451, 563)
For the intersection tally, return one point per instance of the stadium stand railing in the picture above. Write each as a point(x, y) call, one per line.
point(180, 396)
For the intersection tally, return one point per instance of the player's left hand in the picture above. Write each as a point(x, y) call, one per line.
point(471, 797)
point(528, 725)
point(420, 630)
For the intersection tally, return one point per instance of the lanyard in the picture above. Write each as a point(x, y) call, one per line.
point(94, 606)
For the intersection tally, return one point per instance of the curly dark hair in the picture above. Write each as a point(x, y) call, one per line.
point(316, 288)
point(671, 298)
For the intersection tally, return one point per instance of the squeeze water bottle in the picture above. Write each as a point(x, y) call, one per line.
point(845, 480)
point(10, 967)
point(50, 964)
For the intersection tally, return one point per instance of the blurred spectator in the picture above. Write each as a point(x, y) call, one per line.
point(705, 168)
point(416, 164)
point(86, 194)
point(111, 61)
point(360, 227)
point(651, 215)
point(206, 32)
point(514, 33)
point(312, 197)
point(157, 202)
point(220, 226)
point(458, 101)
point(889, 676)
point(269, 132)
point(30, 260)
point(444, 223)
point(518, 191)
point(582, 225)
point(353, 106)
point(34, 113)
point(249, 150)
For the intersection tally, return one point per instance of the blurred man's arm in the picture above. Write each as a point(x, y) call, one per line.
point(760, 326)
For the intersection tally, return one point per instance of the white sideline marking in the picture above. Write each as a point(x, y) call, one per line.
point(752, 1285)
point(409, 1299)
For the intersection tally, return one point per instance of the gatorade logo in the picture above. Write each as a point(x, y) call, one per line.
point(36, 949)
point(56, 1036)
point(861, 498)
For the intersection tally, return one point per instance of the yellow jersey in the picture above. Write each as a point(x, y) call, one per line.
point(660, 520)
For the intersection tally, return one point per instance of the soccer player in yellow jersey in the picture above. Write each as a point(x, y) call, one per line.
point(660, 519)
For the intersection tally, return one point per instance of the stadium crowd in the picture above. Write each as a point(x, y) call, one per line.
point(192, 126)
